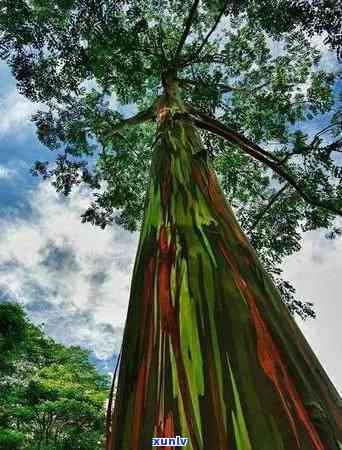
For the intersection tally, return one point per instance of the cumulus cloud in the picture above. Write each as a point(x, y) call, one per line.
point(315, 272)
point(75, 278)
point(72, 276)
point(15, 112)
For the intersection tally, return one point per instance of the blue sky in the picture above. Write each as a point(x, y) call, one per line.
point(75, 278)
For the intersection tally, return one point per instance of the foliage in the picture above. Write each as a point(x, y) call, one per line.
point(52, 397)
point(258, 73)
point(315, 16)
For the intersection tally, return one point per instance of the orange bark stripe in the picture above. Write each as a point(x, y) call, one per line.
point(166, 256)
point(168, 426)
point(162, 111)
point(271, 361)
point(170, 325)
point(138, 405)
point(161, 374)
point(168, 429)
point(140, 389)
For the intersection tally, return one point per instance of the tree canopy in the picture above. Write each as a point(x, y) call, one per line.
point(52, 397)
point(250, 76)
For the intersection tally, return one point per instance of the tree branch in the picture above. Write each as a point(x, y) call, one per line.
point(234, 136)
point(212, 59)
point(223, 87)
point(161, 38)
point(146, 50)
point(187, 27)
point(207, 123)
point(141, 117)
point(272, 200)
point(213, 28)
point(333, 147)
point(324, 130)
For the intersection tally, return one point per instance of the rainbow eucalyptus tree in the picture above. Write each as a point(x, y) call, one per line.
point(212, 160)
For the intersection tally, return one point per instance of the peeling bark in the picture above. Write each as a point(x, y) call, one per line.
point(209, 350)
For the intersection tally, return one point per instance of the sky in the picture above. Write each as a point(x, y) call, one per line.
point(74, 278)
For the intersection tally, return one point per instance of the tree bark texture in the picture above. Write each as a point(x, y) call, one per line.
point(209, 351)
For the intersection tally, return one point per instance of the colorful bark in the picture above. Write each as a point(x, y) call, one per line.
point(209, 351)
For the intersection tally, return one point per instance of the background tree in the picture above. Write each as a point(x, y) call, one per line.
point(209, 90)
point(52, 397)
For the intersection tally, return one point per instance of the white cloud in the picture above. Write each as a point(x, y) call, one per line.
point(72, 276)
point(75, 278)
point(15, 112)
point(315, 272)
point(328, 59)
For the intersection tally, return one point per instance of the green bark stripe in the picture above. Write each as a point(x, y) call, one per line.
point(240, 428)
point(191, 350)
point(205, 375)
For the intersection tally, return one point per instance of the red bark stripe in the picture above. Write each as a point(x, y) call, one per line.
point(168, 429)
point(138, 405)
point(159, 411)
point(170, 324)
point(146, 324)
point(166, 257)
point(272, 363)
point(212, 191)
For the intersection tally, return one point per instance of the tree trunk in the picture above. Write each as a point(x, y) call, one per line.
point(209, 351)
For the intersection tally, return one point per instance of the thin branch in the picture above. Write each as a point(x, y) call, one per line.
point(157, 44)
point(187, 27)
point(212, 59)
point(124, 139)
point(215, 59)
point(147, 51)
point(272, 200)
point(154, 44)
point(207, 123)
point(257, 88)
point(333, 146)
point(161, 38)
point(324, 130)
point(143, 116)
point(234, 135)
point(213, 28)
point(223, 87)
